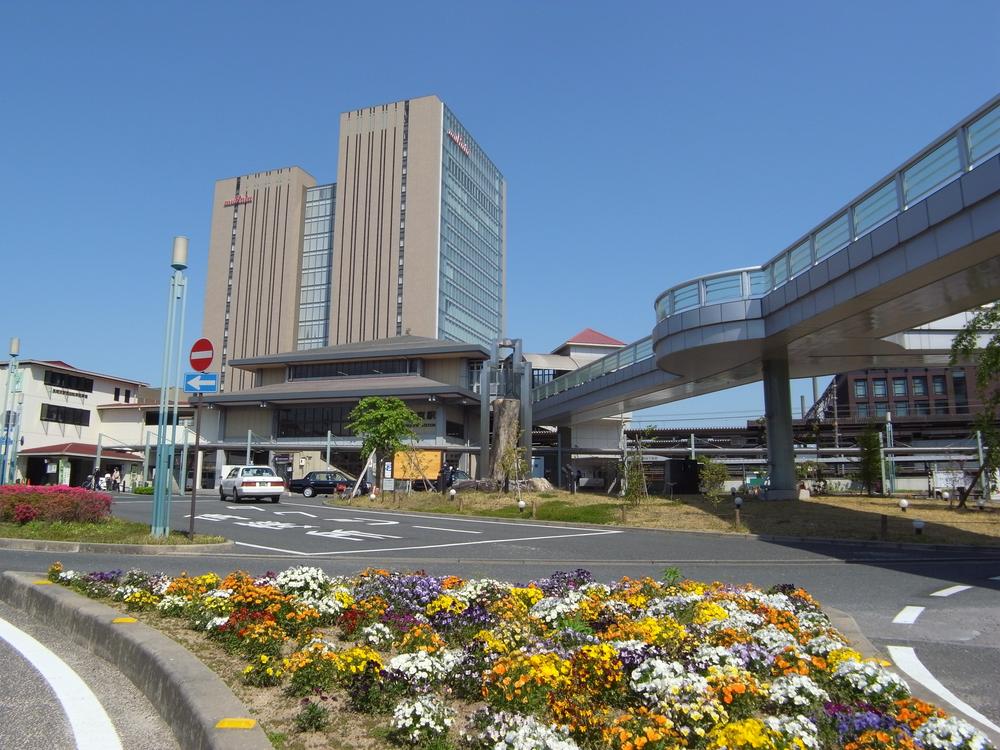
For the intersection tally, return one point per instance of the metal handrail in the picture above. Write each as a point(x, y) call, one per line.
point(961, 149)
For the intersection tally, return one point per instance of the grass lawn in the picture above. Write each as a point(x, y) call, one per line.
point(112, 531)
point(842, 517)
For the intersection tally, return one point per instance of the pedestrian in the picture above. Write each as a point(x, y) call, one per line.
point(116, 480)
point(102, 482)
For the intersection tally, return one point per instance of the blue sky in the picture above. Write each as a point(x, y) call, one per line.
point(643, 143)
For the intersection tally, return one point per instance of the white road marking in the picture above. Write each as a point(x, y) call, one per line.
point(443, 518)
point(351, 536)
point(218, 517)
point(273, 549)
point(293, 513)
point(272, 525)
point(244, 507)
point(907, 615)
point(91, 726)
point(906, 659)
point(995, 578)
point(951, 590)
point(457, 531)
point(457, 544)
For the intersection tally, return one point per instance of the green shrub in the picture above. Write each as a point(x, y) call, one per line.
point(142, 490)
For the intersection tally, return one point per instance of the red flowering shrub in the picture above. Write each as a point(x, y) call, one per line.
point(58, 503)
point(24, 513)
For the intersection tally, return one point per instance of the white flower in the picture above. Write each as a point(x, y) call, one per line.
point(304, 581)
point(872, 680)
point(377, 635)
point(662, 681)
point(507, 731)
point(419, 667)
point(421, 719)
point(796, 690)
point(950, 734)
point(774, 639)
point(822, 645)
point(216, 622)
point(797, 727)
point(552, 608)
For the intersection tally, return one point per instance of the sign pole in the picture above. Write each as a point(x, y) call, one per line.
point(196, 474)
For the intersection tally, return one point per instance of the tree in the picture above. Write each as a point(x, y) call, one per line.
point(712, 477)
point(966, 345)
point(869, 467)
point(512, 462)
point(382, 424)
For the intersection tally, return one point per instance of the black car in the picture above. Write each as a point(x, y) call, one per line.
point(323, 483)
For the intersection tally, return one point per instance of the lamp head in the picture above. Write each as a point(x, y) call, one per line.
point(904, 504)
point(179, 258)
point(738, 501)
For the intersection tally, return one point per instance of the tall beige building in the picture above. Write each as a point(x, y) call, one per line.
point(410, 240)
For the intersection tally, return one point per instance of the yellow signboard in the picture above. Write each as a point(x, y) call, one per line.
point(416, 465)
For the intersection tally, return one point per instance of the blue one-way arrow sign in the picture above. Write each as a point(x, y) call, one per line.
point(201, 382)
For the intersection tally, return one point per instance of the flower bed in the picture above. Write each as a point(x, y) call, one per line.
point(24, 502)
point(561, 663)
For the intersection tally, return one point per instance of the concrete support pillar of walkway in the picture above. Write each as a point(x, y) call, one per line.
point(780, 448)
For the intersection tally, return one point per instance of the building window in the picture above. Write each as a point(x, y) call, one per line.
point(899, 386)
point(70, 382)
point(862, 411)
point(541, 377)
point(860, 389)
point(922, 408)
point(128, 396)
point(901, 409)
point(940, 386)
point(940, 407)
point(880, 387)
point(920, 386)
point(65, 415)
point(118, 393)
point(961, 394)
point(881, 410)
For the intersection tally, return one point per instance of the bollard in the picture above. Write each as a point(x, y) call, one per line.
point(883, 527)
point(737, 517)
point(918, 526)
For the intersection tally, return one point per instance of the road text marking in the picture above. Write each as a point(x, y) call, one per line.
point(906, 659)
point(91, 726)
point(907, 615)
point(951, 590)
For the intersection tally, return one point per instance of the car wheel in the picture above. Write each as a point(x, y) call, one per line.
point(308, 492)
point(276, 499)
point(236, 497)
point(222, 495)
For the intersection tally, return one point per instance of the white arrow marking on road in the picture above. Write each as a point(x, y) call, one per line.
point(273, 525)
point(907, 615)
point(951, 590)
point(243, 507)
point(906, 659)
point(219, 517)
point(350, 535)
point(294, 513)
point(345, 520)
point(995, 578)
point(382, 523)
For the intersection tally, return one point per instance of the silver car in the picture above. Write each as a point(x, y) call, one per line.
point(251, 481)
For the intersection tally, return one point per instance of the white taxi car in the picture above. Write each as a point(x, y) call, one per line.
point(250, 482)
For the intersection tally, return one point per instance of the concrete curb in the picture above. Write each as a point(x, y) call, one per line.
point(43, 545)
point(190, 698)
point(848, 628)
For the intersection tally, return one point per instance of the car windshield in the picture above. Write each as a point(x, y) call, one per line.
point(258, 471)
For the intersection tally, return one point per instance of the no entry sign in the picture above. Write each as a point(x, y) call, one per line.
point(201, 354)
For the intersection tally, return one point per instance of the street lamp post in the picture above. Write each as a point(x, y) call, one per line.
point(170, 375)
point(8, 393)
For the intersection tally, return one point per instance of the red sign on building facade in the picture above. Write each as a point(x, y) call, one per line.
point(202, 353)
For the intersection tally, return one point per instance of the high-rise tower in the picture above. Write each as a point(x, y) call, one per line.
point(411, 239)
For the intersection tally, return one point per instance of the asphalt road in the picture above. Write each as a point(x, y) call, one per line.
point(956, 635)
point(33, 716)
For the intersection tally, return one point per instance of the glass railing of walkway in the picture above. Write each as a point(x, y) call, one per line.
point(960, 150)
point(629, 355)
